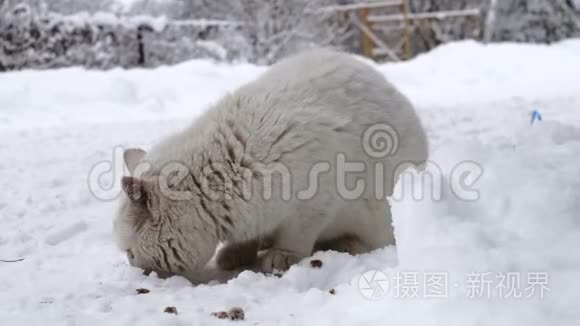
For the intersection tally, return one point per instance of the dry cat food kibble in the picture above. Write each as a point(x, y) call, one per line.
point(235, 313)
point(170, 310)
point(220, 314)
point(142, 291)
point(316, 263)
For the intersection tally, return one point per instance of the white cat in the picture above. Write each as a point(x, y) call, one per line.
point(274, 160)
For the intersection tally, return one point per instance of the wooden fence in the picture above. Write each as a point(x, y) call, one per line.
point(395, 16)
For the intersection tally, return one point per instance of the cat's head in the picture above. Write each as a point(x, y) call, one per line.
point(157, 232)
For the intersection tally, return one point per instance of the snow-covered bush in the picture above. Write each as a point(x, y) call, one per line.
point(535, 21)
point(543, 21)
point(33, 36)
point(271, 29)
point(252, 30)
point(99, 41)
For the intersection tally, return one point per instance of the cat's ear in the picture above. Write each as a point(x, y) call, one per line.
point(136, 189)
point(132, 157)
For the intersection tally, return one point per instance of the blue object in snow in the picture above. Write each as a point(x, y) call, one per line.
point(536, 116)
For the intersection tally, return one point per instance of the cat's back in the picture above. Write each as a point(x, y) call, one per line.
point(314, 72)
point(318, 101)
point(329, 96)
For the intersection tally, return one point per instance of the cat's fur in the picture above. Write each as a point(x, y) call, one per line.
point(307, 109)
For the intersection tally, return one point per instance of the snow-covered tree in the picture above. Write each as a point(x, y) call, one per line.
point(536, 21)
point(270, 28)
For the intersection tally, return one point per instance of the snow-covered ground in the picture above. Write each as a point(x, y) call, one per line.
point(458, 262)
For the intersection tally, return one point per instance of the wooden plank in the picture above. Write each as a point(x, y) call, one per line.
point(366, 42)
point(389, 28)
point(384, 47)
point(406, 34)
point(379, 52)
point(425, 15)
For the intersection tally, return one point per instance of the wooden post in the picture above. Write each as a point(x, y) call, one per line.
point(407, 52)
point(140, 48)
point(142, 55)
point(366, 42)
point(479, 27)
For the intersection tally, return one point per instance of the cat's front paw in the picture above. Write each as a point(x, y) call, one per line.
point(278, 260)
point(237, 255)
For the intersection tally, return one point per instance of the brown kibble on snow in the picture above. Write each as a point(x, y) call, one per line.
point(142, 291)
point(221, 315)
point(316, 263)
point(170, 310)
point(236, 313)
